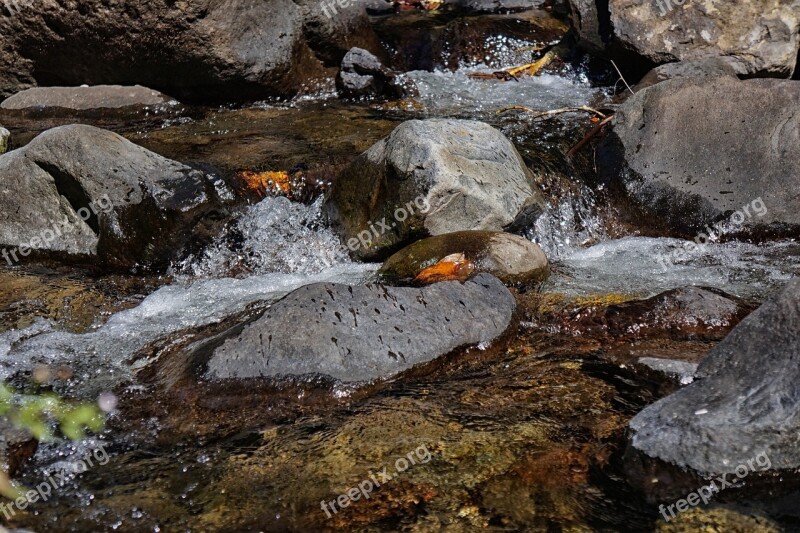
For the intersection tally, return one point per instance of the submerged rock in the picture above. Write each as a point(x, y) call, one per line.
point(359, 333)
point(363, 75)
point(193, 50)
point(762, 36)
point(82, 191)
point(431, 177)
point(685, 313)
point(743, 403)
point(99, 97)
point(512, 259)
point(688, 158)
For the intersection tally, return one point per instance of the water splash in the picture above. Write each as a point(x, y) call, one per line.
point(456, 94)
point(275, 235)
point(646, 266)
point(275, 247)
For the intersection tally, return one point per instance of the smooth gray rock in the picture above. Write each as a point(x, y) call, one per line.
point(360, 333)
point(193, 50)
point(86, 98)
point(762, 36)
point(90, 192)
point(745, 400)
point(692, 152)
point(460, 174)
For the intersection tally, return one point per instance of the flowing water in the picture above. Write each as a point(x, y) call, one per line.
point(523, 436)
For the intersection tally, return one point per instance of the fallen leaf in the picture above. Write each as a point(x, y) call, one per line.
point(452, 267)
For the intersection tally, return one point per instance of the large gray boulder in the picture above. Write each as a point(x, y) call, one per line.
point(431, 177)
point(194, 50)
point(762, 36)
point(745, 400)
point(359, 333)
point(99, 97)
point(82, 191)
point(690, 152)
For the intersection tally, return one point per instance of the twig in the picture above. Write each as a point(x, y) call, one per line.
point(553, 111)
point(589, 136)
point(622, 77)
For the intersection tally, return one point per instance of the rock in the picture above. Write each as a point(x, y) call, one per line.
point(592, 26)
point(709, 67)
point(762, 36)
point(687, 158)
point(359, 333)
point(743, 403)
point(363, 75)
point(79, 190)
point(5, 137)
point(100, 97)
point(684, 313)
point(512, 259)
point(194, 50)
point(431, 177)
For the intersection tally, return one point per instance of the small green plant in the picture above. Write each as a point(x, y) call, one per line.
point(40, 414)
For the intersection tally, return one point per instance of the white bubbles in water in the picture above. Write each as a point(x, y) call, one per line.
point(275, 235)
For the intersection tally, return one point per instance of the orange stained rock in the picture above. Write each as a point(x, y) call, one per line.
point(452, 267)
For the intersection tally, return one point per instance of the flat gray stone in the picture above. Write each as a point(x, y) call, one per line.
point(360, 333)
point(85, 98)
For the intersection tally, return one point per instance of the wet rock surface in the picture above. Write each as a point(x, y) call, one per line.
point(685, 313)
point(99, 97)
point(361, 333)
point(194, 50)
point(743, 402)
point(431, 177)
point(363, 75)
point(664, 31)
point(688, 158)
point(512, 259)
point(83, 191)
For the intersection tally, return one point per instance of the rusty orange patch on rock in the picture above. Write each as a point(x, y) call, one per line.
point(452, 267)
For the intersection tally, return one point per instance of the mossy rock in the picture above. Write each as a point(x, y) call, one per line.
point(512, 259)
